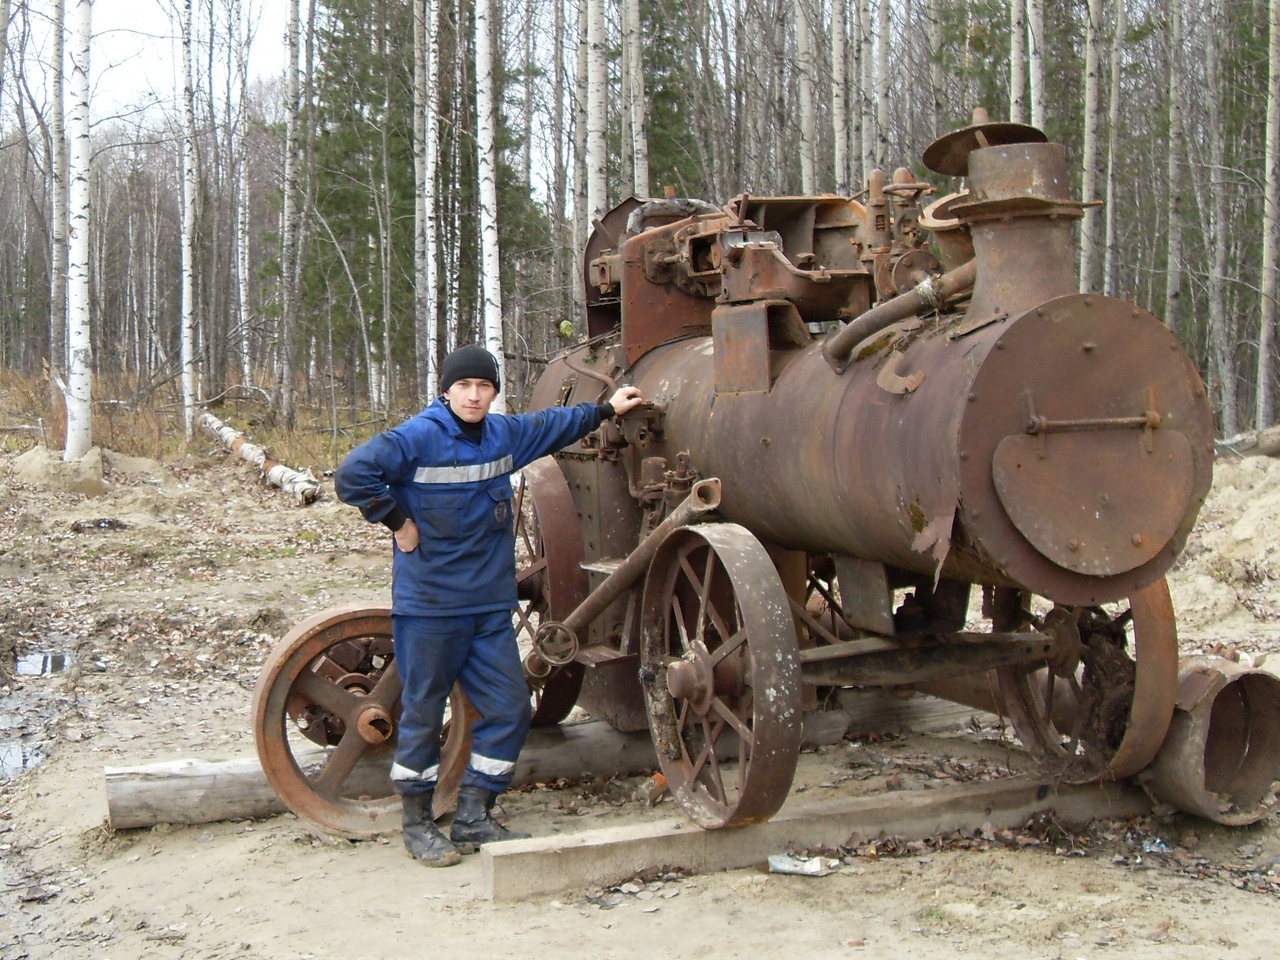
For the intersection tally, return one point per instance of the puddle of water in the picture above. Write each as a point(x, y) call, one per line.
point(41, 664)
point(16, 756)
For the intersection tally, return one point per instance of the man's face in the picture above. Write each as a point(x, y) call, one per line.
point(471, 398)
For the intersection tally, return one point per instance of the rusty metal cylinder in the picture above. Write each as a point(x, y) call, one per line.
point(1222, 752)
point(857, 464)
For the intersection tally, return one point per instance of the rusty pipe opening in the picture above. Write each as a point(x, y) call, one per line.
point(1222, 752)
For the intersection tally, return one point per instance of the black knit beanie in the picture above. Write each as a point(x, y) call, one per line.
point(469, 362)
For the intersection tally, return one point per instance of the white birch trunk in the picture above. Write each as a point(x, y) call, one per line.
point(596, 159)
point(1035, 58)
point(804, 67)
point(1089, 158)
point(1113, 125)
point(636, 97)
point(242, 191)
point(430, 195)
point(188, 230)
point(934, 13)
point(58, 187)
point(1220, 340)
point(80, 354)
point(1270, 222)
point(487, 163)
point(1173, 246)
point(289, 219)
point(866, 92)
point(840, 95)
point(1018, 61)
point(419, 206)
point(882, 84)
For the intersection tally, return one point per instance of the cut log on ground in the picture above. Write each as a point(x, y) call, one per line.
point(303, 487)
point(200, 791)
point(195, 791)
point(1255, 443)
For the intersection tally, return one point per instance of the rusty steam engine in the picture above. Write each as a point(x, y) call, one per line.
point(886, 442)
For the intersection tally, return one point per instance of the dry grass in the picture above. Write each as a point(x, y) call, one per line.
point(145, 421)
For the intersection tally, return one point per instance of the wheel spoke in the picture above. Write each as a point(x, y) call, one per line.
point(729, 646)
point(386, 692)
point(681, 630)
point(342, 703)
point(731, 718)
point(342, 760)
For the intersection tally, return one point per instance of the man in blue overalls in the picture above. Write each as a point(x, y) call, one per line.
point(441, 482)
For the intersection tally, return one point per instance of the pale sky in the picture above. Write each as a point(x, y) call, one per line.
point(136, 56)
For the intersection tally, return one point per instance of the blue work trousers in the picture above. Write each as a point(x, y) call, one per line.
point(477, 651)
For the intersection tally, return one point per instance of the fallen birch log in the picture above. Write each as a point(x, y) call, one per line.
point(301, 485)
point(196, 791)
point(1255, 443)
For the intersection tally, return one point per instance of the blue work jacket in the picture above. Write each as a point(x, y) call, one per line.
point(458, 493)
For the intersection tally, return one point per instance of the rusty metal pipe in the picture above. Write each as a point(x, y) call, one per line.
point(1222, 752)
point(927, 296)
point(876, 662)
point(556, 643)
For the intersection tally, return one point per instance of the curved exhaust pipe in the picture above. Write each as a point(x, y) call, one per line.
point(1222, 752)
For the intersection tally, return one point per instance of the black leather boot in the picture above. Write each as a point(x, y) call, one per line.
point(422, 838)
point(473, 823)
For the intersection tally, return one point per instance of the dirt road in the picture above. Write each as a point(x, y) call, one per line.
point(163, 597)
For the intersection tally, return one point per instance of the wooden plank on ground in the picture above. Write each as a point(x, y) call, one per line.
point(544, 866)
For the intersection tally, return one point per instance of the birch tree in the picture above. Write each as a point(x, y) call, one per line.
point(1089, 155)
point(839, 96)
point(1017, 60)
point(289, 219)
point(58, 187)
point(1035, 59)
point(866, 88)
point(882, 84)
point(1220, 341)
point(596, 159)
point(80, 355)
point(636, 97)
point(487, 156)
point(1173, 242)
point(1270, 220)
point(188, 230)
point(804, 66)
point(239, 143)
point(1113, 126)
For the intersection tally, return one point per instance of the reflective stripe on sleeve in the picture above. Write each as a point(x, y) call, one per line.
point(491, 767)
point(464, 474)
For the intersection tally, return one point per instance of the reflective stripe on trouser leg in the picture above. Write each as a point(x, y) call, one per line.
point(429, 654)
point(492, 680)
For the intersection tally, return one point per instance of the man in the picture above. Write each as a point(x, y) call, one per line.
point(441, 482)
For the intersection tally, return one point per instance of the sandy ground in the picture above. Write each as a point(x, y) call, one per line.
point(168, 591)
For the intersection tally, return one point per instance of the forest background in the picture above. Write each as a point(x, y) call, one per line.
point(421, 174)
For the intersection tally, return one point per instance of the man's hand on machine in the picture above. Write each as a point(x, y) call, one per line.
point(626, 398)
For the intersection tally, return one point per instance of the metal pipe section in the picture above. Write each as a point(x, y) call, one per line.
point(1222, 752)
point(556, 644)
point(928, 296)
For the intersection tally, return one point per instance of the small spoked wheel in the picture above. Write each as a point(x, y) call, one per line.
point(549, 580)
point(325, 712)
point(1103, 714)
point(721, 675)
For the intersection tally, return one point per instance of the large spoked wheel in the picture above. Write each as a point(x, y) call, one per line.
point(325, 711)
point(721, 675)
point(549, 578)
point(1101, 715)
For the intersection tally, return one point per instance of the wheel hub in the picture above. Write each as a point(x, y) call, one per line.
point(692, 679)
point(374, 724)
